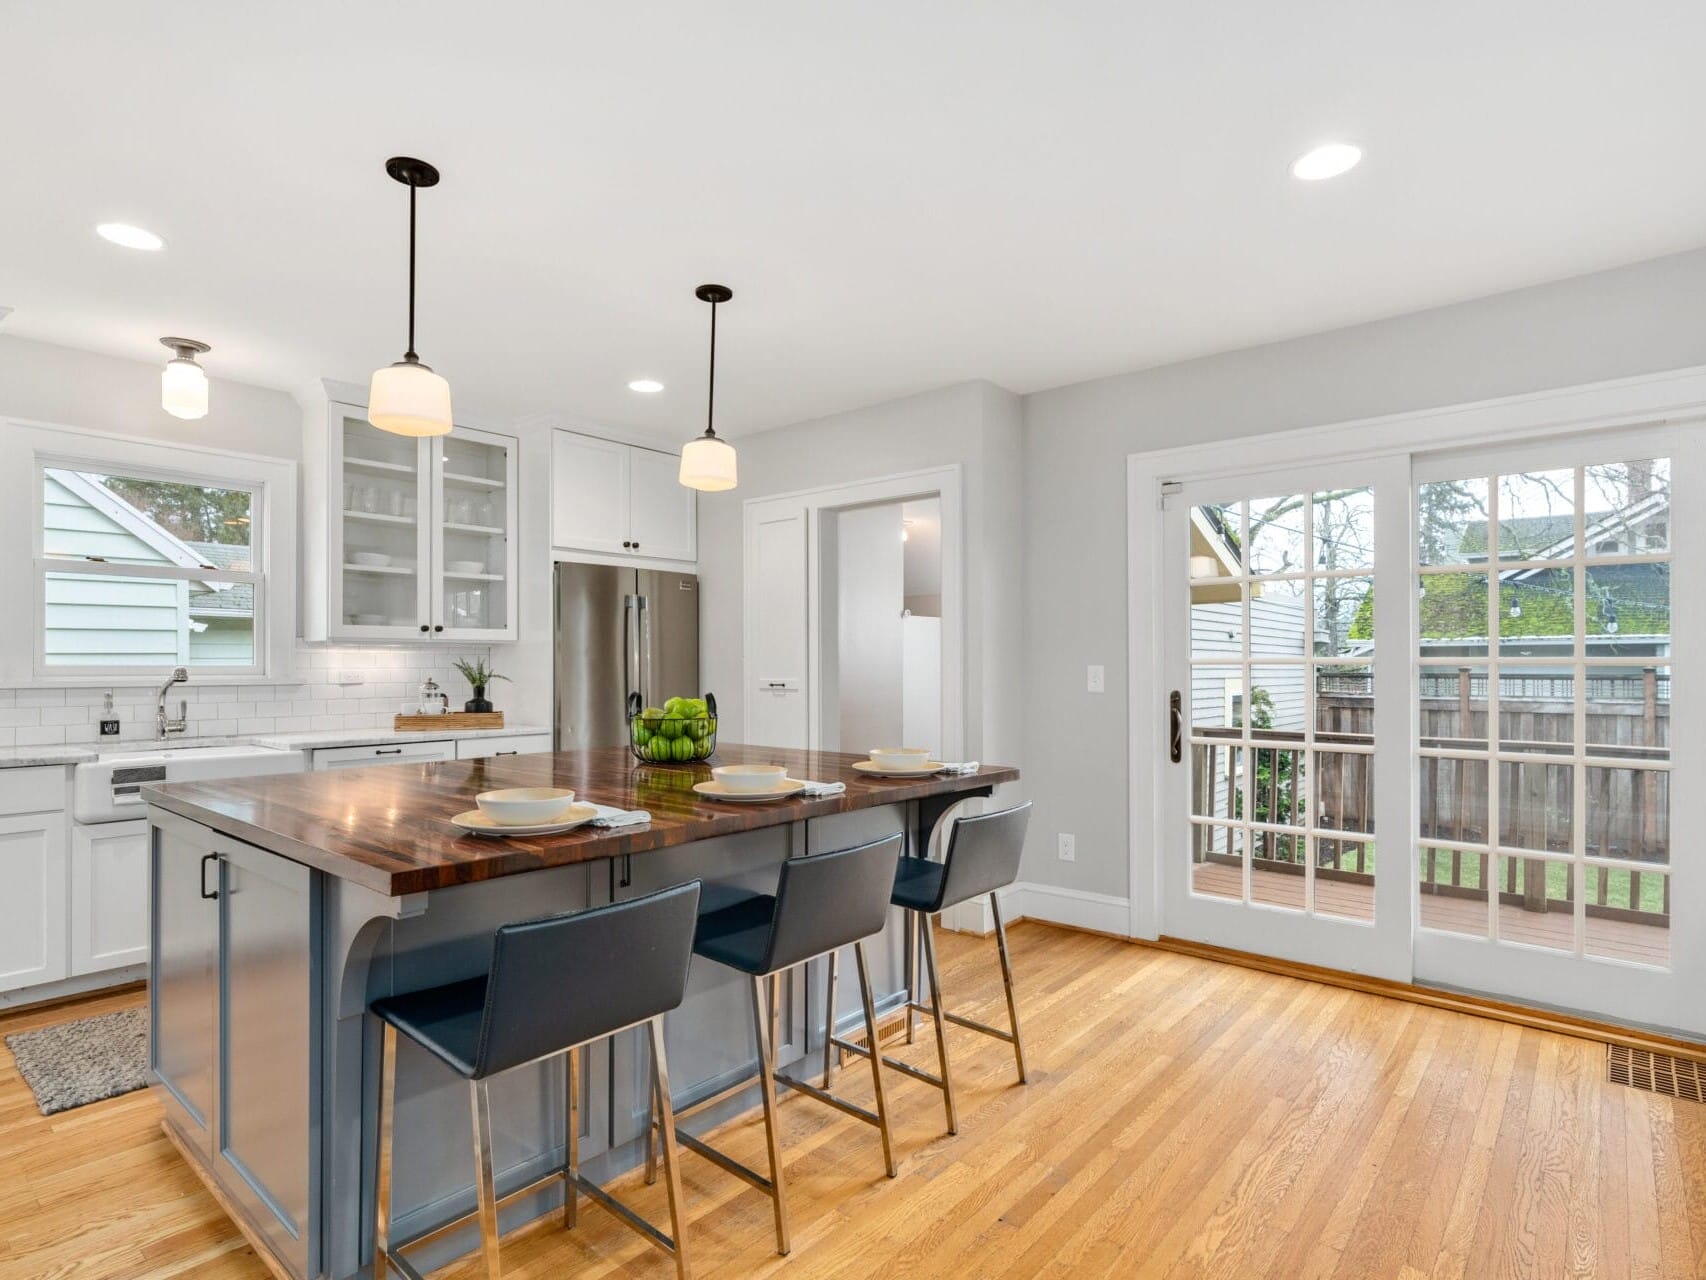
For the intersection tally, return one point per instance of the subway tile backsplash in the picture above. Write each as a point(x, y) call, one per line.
point(49, 717)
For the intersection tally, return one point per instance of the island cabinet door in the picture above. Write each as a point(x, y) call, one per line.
point(267, 1134)
point(183, 977)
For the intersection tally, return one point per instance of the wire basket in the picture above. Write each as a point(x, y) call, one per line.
point(657, 738)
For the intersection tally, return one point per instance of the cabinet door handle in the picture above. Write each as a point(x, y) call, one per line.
point(506, 753)
point(388, 751)
point(423, 626)
point(205, 859)
point(439, 627)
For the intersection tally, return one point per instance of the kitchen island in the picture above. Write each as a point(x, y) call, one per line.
point(282, 906)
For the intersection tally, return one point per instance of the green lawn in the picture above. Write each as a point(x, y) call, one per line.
point(1557, 873)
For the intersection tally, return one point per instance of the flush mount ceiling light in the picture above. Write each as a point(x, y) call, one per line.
point(183, 383)
point(408, 398)
point(122, 233)
point(708, 463)
point(1328, 160)
point(646, 386)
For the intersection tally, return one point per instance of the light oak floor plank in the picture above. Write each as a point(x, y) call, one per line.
point(1186, 1118)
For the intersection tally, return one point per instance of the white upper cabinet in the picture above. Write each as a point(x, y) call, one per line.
point(619, 499)
point(408, 539)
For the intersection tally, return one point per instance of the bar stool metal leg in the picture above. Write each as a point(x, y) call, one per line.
point(571, 1137)
point(382, 1179)
point(913, 956)
point(829, 1022)
point(1007, 982)
point(767, 1083)
point(652, 1140)
point(671, 1156)
point(485, 1184)
point(876, 1056)
point(928, 927)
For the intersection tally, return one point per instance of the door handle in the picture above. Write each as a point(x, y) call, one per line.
point(642, 652)
point(205, 859)
point(630, 660)
point(1176, 717)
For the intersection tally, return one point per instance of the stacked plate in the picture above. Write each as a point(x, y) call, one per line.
point(524, 811)
point(899, 762)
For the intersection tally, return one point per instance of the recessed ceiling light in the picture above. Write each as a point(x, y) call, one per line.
point(645, 386)
point(1326, 161)
point(122, 233)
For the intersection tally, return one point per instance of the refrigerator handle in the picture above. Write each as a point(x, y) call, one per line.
point(629, 653)
point(644, 636)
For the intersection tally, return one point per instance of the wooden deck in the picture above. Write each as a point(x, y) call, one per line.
point(1185, 1118)
point(1608, 939)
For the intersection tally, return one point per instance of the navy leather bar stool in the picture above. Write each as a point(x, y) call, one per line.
point(982, 856)
point(553, 985)
point(822, 903)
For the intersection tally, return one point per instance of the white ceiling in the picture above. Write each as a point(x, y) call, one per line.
point(902, 195)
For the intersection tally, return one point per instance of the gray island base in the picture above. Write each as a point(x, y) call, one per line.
point(264, 960)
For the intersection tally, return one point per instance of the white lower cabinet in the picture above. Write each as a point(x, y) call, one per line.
point(484, 748)
point(109, 896)
point(32, 906)
point(382, 753)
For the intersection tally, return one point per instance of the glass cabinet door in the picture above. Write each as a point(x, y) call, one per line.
point(381, 560)
point(475, 554)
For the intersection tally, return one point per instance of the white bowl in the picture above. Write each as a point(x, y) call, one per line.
point(525, 806)
point(750, 777)
point(370, 619)
point(900, 758)
point(370, 559)
point(466, 566)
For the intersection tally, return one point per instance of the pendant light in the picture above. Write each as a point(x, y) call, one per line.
point(708, 463)
point(408, 398)
point(183, 383)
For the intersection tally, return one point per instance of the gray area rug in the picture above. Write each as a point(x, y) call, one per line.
point(79, 1062)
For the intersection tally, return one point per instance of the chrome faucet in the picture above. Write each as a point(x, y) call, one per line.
point(163, 726)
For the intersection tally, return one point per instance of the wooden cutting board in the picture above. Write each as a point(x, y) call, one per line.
point(454, 720)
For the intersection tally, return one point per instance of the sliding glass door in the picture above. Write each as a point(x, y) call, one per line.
point(1289, 725)
point(1426, 713)
point(1551, 721)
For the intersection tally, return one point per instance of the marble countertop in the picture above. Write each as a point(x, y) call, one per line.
point(84, 752)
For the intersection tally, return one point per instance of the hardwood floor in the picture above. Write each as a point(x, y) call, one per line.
point(1185, 1119)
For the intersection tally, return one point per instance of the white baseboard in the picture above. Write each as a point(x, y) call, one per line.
point(1102, 912)
point(23, 997)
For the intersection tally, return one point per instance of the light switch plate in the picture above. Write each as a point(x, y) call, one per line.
point(1097, 679)
point(349, 677)
point(1068, 846)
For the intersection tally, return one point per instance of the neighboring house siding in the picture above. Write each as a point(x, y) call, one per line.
point(1276, 627)
point(227, 642)
point(107, 621)
point(115, 622)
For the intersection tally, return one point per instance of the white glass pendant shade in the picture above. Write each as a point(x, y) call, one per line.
point(708, 464)
point(409, 399)
point(183, 388)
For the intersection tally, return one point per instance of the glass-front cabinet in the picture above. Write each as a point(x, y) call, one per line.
point(418, 534)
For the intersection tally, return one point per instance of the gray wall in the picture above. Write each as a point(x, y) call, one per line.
point(974, 424)
point(1638, 319)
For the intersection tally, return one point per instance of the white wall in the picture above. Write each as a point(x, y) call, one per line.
point(869, 583)
point(974, 424)
point(71, 388)
point(1638, 319)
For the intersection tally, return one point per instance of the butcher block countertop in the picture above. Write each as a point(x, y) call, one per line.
point(387, 827)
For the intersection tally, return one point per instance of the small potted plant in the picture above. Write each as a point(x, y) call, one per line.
point(478, 675)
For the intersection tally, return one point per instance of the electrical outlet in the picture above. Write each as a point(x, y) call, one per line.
point(109, 728)
point(349, 677)
point(1097, 679)
point(1068, 846)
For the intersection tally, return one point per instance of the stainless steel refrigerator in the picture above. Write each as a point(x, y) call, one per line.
point(621, 631)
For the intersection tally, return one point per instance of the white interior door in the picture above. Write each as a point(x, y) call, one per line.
point(1291, 744)
point(1552, 720)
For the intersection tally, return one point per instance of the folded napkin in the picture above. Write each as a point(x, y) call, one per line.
point(964, 766)
point(822, 788)
point(609, 816)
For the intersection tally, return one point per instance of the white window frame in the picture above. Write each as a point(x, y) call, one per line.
point(27, 449)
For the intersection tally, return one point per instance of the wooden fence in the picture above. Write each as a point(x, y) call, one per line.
point(1627, 721)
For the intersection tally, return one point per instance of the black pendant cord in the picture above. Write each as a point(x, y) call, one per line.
point(410, 355)
point(711, 391)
